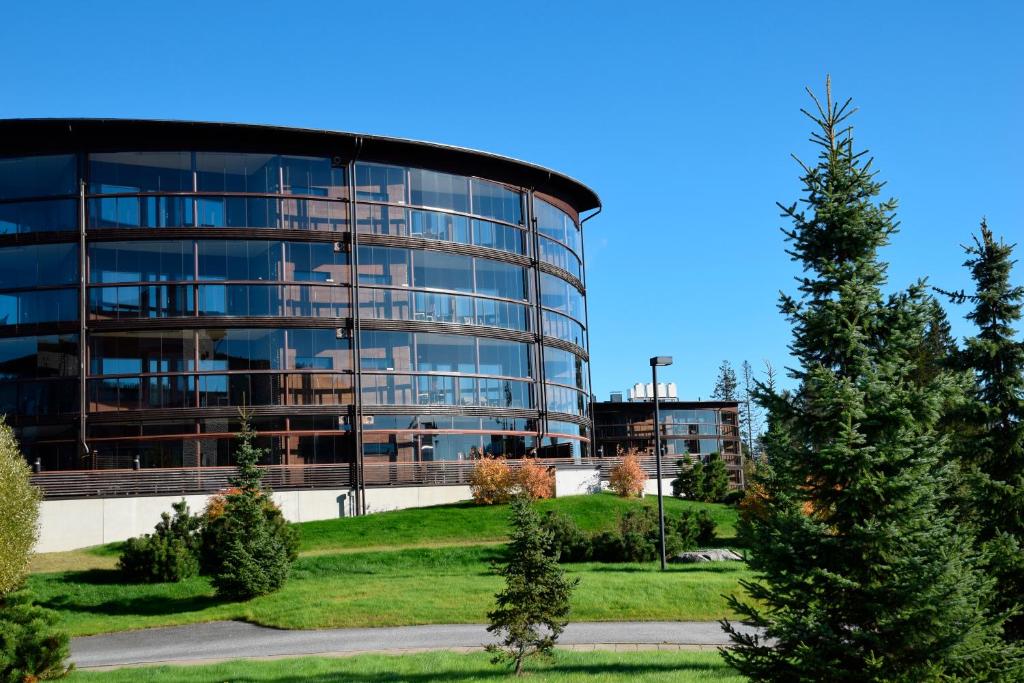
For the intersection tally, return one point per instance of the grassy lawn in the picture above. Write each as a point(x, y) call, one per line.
point(345, 580)
point(636, 667)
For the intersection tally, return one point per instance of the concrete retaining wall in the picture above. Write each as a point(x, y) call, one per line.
point(577, 481)
point(79, 523)
point(401, 497)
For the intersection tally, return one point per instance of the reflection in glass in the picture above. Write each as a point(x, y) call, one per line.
point(438, 190)
point(38, 216)
point(38, 265)
point(497, 201)
point(562, 327)
point(120, 353)
point(557, 255)
point(34, 307)
point(37, 357)
point(141, 261)
point(563, 367)
point(558, 294)
point(140, 172)
point(557, 224)
point(141, 301)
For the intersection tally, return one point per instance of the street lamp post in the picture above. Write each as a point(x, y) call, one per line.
point(655, 362)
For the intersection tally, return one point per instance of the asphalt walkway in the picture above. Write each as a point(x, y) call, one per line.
point(222, 640)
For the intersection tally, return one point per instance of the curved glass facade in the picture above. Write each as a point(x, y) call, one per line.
point(360, 311)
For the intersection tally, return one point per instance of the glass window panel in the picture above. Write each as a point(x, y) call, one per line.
point(498, 236)
point(35, 265)
point(327, 301)
point(382, 220)
point(385, 350)
point(239, 212)
point(500, 279)
point(383, 266)
point(379, 183)
point(40, 399)
point(29, 308)
point(37, 357)
point(385, 304)
point(241, 349)
point(39, 176)
point(436, 390)
point(235, 172)
point(564, 400)
point(38, 216)
point(113, 353)
point(379, 422)
point(563, 367)
point(445, 353)
point(506, 358)
point(318, 349)
point(239, 260)
point(558, 294)
point(438, 270)
point(388, 389)
point(313, 176)
point(140, 261)
point(557, 224)
point(309, 214)
point(140, 212)
point(439, 226)
point(140, 172)
point(497, 201)
point(561, 327)
point(440, 190)
point(503, 314)
point(315, 262)
point(559, 256)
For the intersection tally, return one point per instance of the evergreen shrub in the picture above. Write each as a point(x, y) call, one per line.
point(170, 553)
point(32, 645)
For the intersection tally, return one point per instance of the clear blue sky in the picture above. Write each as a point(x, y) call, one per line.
point(682, 115)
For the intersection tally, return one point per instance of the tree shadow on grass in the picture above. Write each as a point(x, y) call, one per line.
point(145, 606)
point(95, 577)
point(497, 672)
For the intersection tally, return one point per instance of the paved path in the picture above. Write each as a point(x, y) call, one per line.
point(220, 640)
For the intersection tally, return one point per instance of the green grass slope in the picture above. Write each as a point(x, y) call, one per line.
point(436, 568)
point(437, 667)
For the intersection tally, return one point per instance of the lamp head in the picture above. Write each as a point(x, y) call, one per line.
point(661, 360)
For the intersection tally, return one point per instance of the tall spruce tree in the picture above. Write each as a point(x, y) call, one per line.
point(862, 575)
point(991, 423)
point(726, 384)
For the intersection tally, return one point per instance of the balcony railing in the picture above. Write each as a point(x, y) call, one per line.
point(171, 481)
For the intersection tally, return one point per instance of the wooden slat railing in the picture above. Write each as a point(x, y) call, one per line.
point(198, 480)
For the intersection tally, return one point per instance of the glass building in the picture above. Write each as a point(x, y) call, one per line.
point(690, 430)
point(374, 305)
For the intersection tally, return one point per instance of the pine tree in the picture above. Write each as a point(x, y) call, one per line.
point(533, 608)
point(250, 545)
point(716, 479)
point(862, 575)
point(991, 423)
point(726, 384)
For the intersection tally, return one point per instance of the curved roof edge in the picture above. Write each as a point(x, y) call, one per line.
point(35, 136)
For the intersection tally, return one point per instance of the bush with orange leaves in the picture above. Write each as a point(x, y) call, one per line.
point(535, 480)
point(494, 481)
point(491, 481)
point(628, 478)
